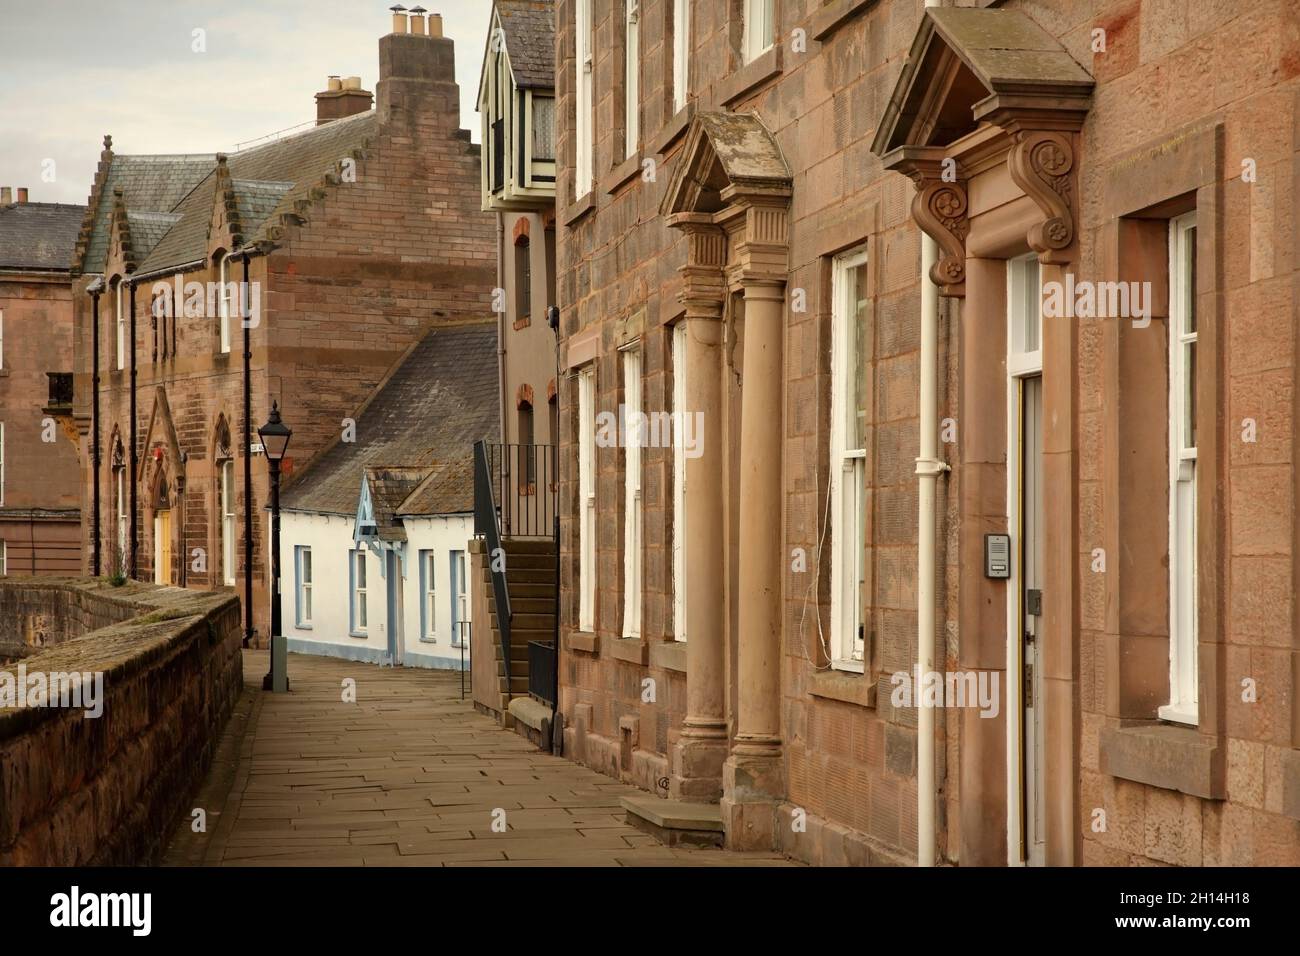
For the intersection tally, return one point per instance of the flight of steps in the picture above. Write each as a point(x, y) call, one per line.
point(530, 580)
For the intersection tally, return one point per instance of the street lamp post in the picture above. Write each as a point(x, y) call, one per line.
point(274, 436)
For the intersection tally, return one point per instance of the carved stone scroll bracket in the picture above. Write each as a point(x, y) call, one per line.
point(1042, 164)
point(940, 208)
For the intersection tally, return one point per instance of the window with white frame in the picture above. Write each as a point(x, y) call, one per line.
point(759, 26)
point(4, 558)
point(852, 365)
point(228, 521)
point(303, 575)
point(632, 494)
point(229, 296)
point(1182, 706)
point(585, 67)
point(587, 499)
point(359, 617)
point(119, 312)
point(459, 601)
point(2, 338)
point(679, 480)
point(1025, 301)
point(681, 52)
point(632, 76)
point(428, 598)
point(119, 484)
point(2, 463)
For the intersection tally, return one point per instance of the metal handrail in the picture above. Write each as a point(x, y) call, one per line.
point(486, 524)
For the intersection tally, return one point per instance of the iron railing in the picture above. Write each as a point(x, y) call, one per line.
point(526, 488)
point(487, 526)
point(541, 671)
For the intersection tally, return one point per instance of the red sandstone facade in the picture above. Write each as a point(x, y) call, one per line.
point(39, 515)
point(1151, 716)
point(361, 234)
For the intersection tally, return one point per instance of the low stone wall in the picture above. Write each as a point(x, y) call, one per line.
point(79, 790)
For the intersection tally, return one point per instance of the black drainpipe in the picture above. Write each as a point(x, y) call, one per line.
point(135, 534)
point(94, 417)
point(247, 455)
point(557, 733)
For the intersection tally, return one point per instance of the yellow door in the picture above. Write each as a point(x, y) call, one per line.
point(162, 547)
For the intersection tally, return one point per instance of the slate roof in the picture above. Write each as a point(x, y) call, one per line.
point(414, 436)
point(267, 181)
point(148, 184)
point(529, 27)
point(39, 235)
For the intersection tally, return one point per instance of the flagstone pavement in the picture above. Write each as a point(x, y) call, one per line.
point(408, 775)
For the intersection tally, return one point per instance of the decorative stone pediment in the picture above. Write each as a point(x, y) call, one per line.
point(984, 69)
point(725, 150)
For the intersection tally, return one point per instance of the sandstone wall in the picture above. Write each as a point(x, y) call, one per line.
point(106, 791)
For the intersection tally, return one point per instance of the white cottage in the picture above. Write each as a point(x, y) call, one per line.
point(374, 533)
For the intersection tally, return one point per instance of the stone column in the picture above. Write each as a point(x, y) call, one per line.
point(698, 756)
point(754, 774)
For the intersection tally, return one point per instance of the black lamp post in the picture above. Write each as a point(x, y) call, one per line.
point(275, 436)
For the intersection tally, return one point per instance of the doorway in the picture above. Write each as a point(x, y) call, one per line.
point(396, 641)
point(1026, 838)
point(162, 533)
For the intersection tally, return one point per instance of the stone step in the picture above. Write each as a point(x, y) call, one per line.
point(675, 822)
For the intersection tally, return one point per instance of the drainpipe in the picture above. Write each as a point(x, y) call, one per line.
point(246, 454)
point(501, 324)
point(135, 531)
point(928, 470)
point(94, 417)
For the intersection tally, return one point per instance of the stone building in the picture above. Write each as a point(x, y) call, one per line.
point(39, 515)
point(901, 468)
point(355, 237)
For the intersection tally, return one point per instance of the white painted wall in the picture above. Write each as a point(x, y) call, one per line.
point(330, 539)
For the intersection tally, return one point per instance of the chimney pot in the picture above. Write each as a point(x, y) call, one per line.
point(333, 84)
point(6, 195)
point(435, 25)
point(417, 21)
point(399, 19)
point(352, 83)
point(22, 194)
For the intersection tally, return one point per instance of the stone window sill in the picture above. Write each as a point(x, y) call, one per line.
point(833, 16)
point(669, 655)
point(673, 130)
point(580, 208)
point(630, 649)
point(843, 686)
point(750, 76)
point(622, 174)
point(1165, 756)
point(582, 641)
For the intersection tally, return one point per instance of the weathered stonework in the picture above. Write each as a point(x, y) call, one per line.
point(106, 791)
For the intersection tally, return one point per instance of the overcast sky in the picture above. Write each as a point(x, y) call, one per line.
point(74, 70)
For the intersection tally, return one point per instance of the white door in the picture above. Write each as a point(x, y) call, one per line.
point(1031, 615)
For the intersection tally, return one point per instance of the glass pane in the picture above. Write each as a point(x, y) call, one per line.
point(543, 128)
point(361, 569)
point(858, 349)
point(1032, 297)
point(306, 566)
point(1189, 260)
point(361, 609)
point(1189, 395)
point(306, 604)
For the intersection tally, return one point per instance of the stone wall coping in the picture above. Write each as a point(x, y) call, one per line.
point(159, 617)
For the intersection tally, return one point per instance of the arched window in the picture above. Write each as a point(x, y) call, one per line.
point(225, 497)
point(119, 315)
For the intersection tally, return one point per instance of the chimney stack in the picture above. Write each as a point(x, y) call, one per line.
point(6, 195)
point(342, 97)
point(22, 194)
point(399, 19)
